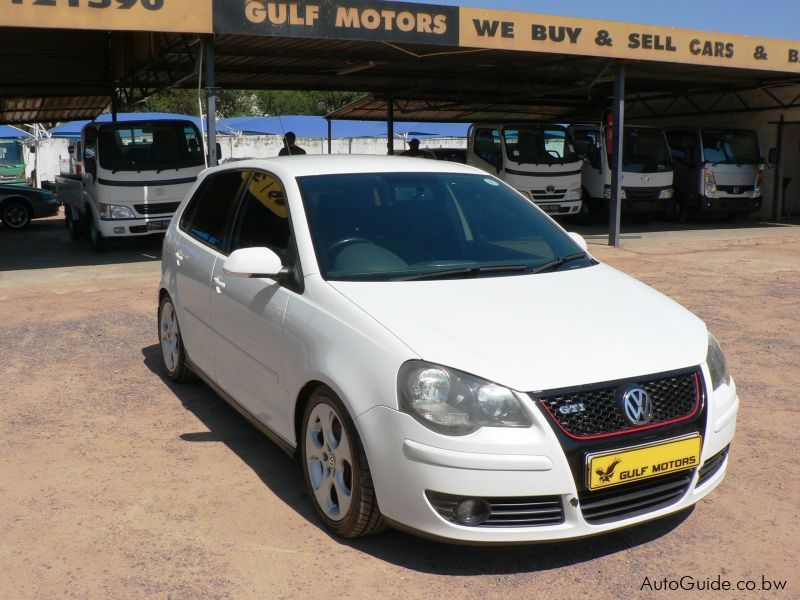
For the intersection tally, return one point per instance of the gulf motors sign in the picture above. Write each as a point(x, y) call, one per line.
point(180, 16)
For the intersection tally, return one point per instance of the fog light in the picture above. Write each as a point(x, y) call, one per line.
point(119, 230)
point(472, 511)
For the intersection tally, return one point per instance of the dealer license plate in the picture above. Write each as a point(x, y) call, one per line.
point(606, 469)
point(157, 225)
point(549, 207)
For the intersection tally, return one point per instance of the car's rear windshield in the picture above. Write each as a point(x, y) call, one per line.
point(150, 146)
point(388, 226)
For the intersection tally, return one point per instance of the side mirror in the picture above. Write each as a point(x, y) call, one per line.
point(90, 163)
point(579, 239)
point(254, 262)
point(32, 149)
point(773, 156)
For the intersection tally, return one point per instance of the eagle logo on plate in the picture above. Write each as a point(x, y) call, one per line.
point(636, 406)
point(608, 473)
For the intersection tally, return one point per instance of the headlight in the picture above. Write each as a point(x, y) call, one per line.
point(456, 403)
point(115, 211)
point(575, 194)
point(607, 193)
point(665, 194)
point(717, 365)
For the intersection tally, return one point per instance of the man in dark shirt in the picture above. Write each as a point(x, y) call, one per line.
point(289, 149)
point(415, 150)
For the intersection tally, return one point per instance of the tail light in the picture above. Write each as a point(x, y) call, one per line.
point(760, 177)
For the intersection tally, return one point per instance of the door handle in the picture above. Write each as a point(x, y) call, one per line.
point(220, 284)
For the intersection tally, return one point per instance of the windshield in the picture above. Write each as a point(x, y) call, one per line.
point(733, 147)
point(645, 150)
point(389, 226)
point(10, 152)
point(538, 144)
point(149, 146)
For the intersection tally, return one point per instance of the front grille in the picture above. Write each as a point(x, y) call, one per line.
point(642, 193)
point(633, 499)
point(532, 511)
point(548, 195)
point(673, 398)
point(711, 466)
point(735, 189)
point(162, 208)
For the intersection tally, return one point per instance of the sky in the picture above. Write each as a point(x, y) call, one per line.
point(768, 18)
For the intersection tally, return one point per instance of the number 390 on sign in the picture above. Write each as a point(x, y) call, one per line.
point(121, 4)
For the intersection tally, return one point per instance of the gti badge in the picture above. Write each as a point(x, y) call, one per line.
point(636, 406)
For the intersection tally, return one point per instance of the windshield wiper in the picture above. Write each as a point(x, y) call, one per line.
point(557, 262)
point(464, 272)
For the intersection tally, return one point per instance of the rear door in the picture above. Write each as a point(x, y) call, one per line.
point(200, 242)
point(248, 313)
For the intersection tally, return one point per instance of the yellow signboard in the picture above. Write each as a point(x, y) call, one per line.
point(486, 28)
point(181, 16)
point(635, 464)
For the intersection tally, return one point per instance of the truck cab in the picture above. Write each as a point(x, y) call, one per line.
point(717, 170)
point(647, 175)
point(537, 159)
point(12, 162)
point(132, 177)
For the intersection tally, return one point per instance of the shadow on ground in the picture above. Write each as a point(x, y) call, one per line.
point(284, 478)
point(46, 244)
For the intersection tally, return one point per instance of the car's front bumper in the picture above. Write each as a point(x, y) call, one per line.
point(407, 460)
point(134, 227)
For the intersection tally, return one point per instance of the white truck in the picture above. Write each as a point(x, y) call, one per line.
point(716, 170)
point(538, 159)
point(130, 178)
point(647, 175)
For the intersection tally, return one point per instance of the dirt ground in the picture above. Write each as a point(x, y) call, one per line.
point(115, 483)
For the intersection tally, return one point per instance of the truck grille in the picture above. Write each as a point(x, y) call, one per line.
point(533, 511)
point(633, 499)
point(595, 411)
point(642, 193)
point(162, 208)
point(735, 189)
point(553, 194)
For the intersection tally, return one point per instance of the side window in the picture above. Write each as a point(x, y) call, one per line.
point(488, 146)
point(263, 219)
point(208, 211)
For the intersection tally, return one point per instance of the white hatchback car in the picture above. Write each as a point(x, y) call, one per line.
point(439, 354)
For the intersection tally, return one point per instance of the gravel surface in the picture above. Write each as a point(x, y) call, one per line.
point(115, 483)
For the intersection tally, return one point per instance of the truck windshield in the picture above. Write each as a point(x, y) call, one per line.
point(403, 226)
point(10, 152)
point(538, 144)
point(149, 146)
point(645, 150)
point(731, 147)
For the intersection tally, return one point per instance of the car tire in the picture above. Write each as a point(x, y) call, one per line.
point(173, 354)
point(335, 468)
point(99, 242)
point(15, 214)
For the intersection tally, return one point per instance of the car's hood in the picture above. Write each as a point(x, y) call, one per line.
point(537, 332)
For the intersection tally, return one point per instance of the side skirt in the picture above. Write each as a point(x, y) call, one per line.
point(254, 421)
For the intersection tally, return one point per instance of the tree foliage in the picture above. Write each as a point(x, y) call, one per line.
point(250, 103)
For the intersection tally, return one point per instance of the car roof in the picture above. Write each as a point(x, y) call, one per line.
point(331, 164)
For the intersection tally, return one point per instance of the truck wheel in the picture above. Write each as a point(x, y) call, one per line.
point(15, 215)
point(99, 242)
point(73, 226)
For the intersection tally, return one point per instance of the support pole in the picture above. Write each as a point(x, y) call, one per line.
point(615, 209)
point(778, 210)
point(114, 106)
point(390, 125)
point(330, 136)
point(211, 101)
